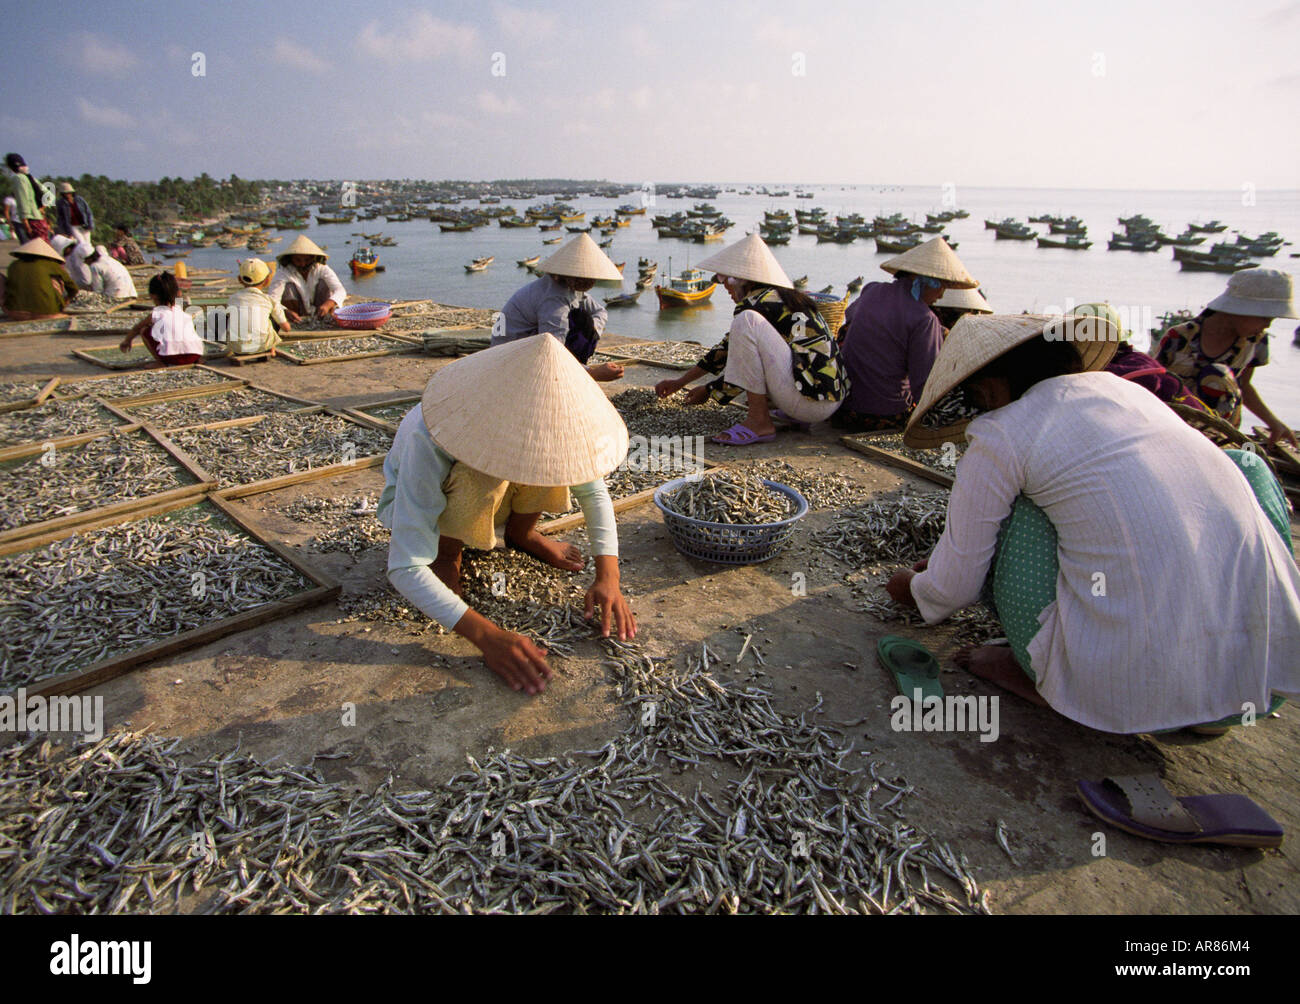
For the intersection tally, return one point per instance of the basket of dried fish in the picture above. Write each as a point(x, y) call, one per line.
point(735, 519)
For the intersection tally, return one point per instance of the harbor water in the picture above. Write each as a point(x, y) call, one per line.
point(1015, 276)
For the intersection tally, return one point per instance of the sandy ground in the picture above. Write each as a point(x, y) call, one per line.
point(424, 701)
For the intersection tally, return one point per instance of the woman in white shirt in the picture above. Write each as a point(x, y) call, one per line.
point(109, 276)
point(1139, 582)
point(305, 284)
point(168, 332)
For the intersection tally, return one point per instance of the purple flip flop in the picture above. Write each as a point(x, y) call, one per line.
point(1142, 805)
point(742, 435)
point(781, 416)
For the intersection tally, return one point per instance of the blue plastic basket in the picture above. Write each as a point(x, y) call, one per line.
point(730, 543)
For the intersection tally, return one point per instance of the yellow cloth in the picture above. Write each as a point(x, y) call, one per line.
point(478, 505)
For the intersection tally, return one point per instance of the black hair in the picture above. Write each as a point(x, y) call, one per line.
point(164, 286)
point(13, 161)
point(1028, 363)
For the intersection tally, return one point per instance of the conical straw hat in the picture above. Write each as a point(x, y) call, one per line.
point(302, 244)
point(964, 299)
point(748, 259)
point(936, 260)
point(581, 259)
point(976, 341)
point(527, 412)
point(38, 248)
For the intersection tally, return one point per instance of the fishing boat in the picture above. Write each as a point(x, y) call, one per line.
point(572, 217)
point(549, 226)
point(162, 245)
point(1073, 225)
point(801, 282)
point(525, 262)
point(1120, 242)
point(885, 245)
point(1014, 232)
point(1070, 243)
point(364, 261)
point(1213, 227)
point(623, 299)
point(689, 289)
point(1167, 320)
point(477, 266)
point(646, 263)
point(1217, 265)
point(323, 220)
point(487, 259)
point(1189, 238)
point(627, 210)
point(455, 228)
point(552, 240)
point(855, 284)
point(827, 289)
point(514, 223)
point(578, 230)
point(399, 218)
point(776, 239)
point(606, 242)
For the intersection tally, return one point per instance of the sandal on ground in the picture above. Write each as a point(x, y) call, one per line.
point(742, 435)
point(1142, 805)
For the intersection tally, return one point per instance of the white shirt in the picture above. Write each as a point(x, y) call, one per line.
point(173, 329)
point(250, 327)
point(75, 262)
point(306, 285)
point(1201, 604)
point(110, 277)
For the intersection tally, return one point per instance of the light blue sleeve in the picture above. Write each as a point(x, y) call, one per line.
point(410, 506)
point(598, 509)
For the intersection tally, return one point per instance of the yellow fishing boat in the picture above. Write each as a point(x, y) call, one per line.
point(689, 289)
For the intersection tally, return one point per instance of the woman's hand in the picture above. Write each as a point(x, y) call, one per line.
point(899, 588)
point(326, 309)
point(604, 372)
point(697, 395)
point(666, 388)
point(605, 593)
point(516, 660)
point(1281, 432)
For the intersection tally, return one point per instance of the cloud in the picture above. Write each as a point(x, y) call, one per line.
point(526, 25)
point(297, 56)
point(492, 105)
point(104, 115)
point(772, 31)
point(423, 37)
point(101, 55)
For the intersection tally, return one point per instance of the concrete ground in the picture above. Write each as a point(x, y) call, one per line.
point(424, 701)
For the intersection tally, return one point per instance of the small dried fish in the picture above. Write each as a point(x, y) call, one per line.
point(729, 497)
point(238, 403)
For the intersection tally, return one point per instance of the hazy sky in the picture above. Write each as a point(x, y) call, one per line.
point(1104, 94)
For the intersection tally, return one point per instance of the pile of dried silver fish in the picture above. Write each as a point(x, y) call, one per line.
point(135, 384)
point(950, 408)
point(392, 413)
point(86, 302)
point(340, 524)
point(20, 391)
point(625, 482)
point(92, 596)
point(327, 348)
point(729, 497)
point(679, 353)
point(129, 824)
point(975, 625)
point(280, 444)
point(903, 528)
point(113, 468)
point(438, 316)
point(238, 403)
point(936, 459)
point(646, 414)
point(822, 491)
point(54, 419)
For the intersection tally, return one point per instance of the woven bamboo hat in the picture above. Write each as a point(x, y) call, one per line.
point(749, 259)
point(526, 412)
point(302, 244)
point(38, 248)
point(975, 341)
point(1257, 292)
point(581, 258)
point(964, 299)
point(935, 260)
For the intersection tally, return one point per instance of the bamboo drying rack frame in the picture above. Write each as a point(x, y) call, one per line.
point(860, 444)
point(324, 588)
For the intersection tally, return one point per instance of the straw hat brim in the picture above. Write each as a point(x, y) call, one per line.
point(38, 248)
point(976, 340)
point(1226, 303)
point(956, 298)
point(935, 260)
point(525, 412)
point(750, 259)
point(581, 258)
point(302, 244)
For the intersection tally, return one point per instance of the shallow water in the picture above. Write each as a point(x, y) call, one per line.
point(1015, 276)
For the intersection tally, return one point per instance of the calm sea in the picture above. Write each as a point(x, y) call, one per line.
point(1015, 276)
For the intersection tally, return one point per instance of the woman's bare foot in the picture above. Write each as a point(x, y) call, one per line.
point(998, 665)
point(553, 552)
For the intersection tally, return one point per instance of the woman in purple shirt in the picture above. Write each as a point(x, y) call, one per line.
point(891, 337)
